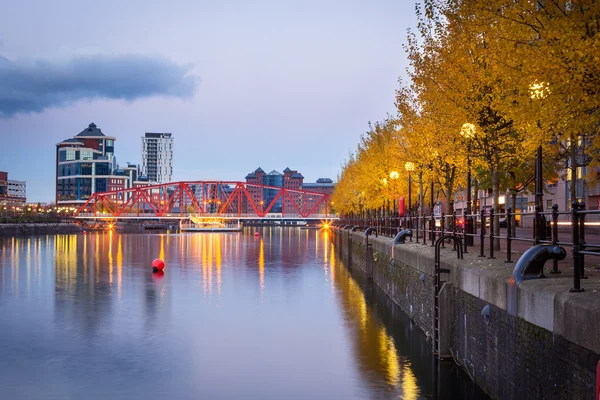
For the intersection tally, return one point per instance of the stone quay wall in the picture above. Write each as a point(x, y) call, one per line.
point(550, 350)
point(37, 229)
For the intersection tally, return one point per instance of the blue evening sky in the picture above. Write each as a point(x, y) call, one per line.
point(240, 84)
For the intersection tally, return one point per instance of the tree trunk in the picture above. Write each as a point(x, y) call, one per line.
point(474, 209)
point(450, 173)
point(496, 205)
point(573, 168)
point(513, 227)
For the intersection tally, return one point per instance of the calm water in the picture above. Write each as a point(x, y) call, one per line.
point(233, 317)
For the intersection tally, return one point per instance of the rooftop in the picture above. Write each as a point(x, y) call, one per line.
point(157, 135)
point(91, 131)
point(73, 141)
point(324, 180)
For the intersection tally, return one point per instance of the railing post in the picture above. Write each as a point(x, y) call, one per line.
point(454, 230)
point(432, 229)
point(481, 232)
point(417, 228)
point(424, 229)
point(442, 228)
point(466, 238)
point(582, 240)
point(491, 234)
point(508, 235)
point(576, 248)
point(555, 269)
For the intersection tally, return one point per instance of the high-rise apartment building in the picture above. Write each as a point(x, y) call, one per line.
point(157, 157)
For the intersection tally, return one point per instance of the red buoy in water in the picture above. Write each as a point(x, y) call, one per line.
point(255, 233)
point(158, 275)
point(158, 265)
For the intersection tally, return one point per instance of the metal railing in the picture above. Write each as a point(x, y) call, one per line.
point(476, 231)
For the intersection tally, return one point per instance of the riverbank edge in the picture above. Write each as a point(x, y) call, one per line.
point(8, 230)
point(549, 350)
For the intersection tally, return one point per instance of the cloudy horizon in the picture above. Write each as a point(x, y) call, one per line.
point(240, 86)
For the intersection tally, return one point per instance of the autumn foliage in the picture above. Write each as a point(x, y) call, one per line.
point(489, 81)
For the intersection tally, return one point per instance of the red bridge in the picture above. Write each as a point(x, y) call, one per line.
point(210, 199)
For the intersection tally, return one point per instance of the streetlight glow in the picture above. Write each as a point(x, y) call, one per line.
point(409, 166)
point(468, 130)
point(538, 90)
point(394, 175)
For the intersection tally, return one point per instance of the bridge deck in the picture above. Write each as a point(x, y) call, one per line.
point(187, 216)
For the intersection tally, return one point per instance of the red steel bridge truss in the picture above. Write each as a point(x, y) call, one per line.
point(211, 199)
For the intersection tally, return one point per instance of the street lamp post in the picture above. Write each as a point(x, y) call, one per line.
point(538, 91)
point(540, 219)
point(393, 176)
point(468, 131)
point(410, 167)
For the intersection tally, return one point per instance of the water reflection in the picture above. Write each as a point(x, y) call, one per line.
point(88, 310)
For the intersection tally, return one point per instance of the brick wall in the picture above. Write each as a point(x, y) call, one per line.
point(514, 359)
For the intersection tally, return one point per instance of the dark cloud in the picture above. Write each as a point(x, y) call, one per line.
point(36, 85)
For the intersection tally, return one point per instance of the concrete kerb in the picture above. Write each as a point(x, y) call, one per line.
point(577, 316)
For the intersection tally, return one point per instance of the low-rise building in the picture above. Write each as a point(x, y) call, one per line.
point(13, 193)
point(295, 201)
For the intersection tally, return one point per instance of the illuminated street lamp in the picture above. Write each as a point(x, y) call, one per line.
point(538, 91)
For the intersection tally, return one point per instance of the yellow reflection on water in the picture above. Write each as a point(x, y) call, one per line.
point(409, 382)
point(65, 260)
point(332, 264)
point(97, 256)
point(389, 357)
point(261, 265)
point(119, 266)
point(325, 238)
point(204, 265)
point(210, 258)
point(373, 345)
point(161, 253)
point(110, 258)
point(28, 261)
point(218, 263)
point(85, 256)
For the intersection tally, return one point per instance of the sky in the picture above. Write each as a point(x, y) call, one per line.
point(239, 84)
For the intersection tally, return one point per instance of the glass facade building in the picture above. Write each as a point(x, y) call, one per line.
point(273, 178)
point(84, 166)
